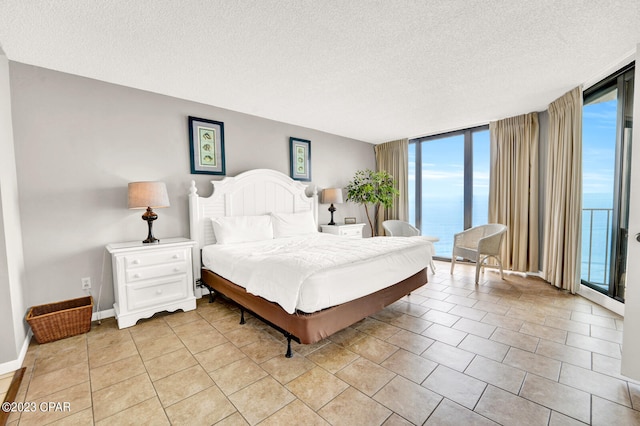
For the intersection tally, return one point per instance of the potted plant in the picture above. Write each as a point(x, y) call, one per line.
point(375, 188)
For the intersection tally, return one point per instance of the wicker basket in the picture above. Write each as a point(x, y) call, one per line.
point(55, 321)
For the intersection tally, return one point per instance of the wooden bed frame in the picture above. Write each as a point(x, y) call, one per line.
point(263, 191)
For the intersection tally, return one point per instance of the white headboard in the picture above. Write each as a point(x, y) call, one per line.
point(255, 192)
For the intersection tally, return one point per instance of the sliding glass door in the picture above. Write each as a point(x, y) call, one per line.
point(449, 184)
point(443, 190)
point(606, 135)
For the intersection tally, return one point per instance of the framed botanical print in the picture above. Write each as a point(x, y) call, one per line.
point(300, 159)
point(206, 140)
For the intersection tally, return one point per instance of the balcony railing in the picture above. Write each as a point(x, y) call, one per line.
point(596, 245)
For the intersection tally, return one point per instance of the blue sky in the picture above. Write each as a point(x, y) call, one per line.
point(443, 175)
point(442, 168)
point(443, 179)
point(598, 148)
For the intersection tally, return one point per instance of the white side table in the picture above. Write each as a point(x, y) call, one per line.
point(150, 278)
point(351, 230)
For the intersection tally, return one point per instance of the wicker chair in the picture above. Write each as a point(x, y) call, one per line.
point(400, 228)
point(478, 244)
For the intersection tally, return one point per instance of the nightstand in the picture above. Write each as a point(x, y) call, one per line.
point(150, 278)
point(352, 230)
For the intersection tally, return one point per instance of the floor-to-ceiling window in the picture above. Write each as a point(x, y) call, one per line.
point(449, 184)
point(606, 139)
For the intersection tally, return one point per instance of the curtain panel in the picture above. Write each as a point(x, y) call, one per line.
point(393, 157)
point(563, 202)
point(513, 188)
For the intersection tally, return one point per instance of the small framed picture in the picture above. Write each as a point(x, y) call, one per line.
point(206, 139)
point(349, 220)
point(300, 159)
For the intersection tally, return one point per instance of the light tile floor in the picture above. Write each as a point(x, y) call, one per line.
point(512, 352)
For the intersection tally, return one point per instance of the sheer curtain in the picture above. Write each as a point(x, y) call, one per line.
point(393, 157)
point(513, 188)
point(563, 202)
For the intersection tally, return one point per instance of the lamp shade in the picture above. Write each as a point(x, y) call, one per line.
point(148, 194)
point(332, 195)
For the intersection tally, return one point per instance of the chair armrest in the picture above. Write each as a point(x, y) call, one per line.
point(414, 229)
point(490, 244)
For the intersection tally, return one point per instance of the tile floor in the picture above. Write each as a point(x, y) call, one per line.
point(513, 352)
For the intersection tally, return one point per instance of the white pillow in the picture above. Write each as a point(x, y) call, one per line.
point(242, 229)
point(293, 224)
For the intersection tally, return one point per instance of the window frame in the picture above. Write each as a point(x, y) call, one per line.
point(617, 245)
point(467, 178)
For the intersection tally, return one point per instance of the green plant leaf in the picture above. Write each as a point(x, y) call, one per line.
point(369, 187)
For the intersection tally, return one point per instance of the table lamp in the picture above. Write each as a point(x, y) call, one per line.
point(148, 195)
point(330, 196)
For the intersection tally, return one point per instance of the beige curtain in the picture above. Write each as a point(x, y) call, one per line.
point(393, 157)
point(563, 201)
point(513, 188)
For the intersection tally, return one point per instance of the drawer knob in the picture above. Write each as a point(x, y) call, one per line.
point(136, 276)
point(159, 291)
point(175, 256)
point(176, 269)
point(136, 262)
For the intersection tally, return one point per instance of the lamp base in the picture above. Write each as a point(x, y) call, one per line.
point(150, 216)
point(332, 209)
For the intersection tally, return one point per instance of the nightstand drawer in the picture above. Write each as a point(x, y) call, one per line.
point(138, 260)
point(139, 274)
point(144, 295)
point(351, 232)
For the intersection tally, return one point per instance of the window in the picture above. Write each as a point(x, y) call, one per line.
point(449, 184)
point(606, 160)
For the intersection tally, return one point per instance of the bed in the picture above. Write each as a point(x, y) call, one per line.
point(230, 223)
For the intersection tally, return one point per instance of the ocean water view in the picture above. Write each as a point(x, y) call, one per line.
point(443, 217)
point(597, 216)
point(443, 161)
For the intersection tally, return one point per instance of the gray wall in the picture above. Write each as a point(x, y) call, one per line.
point(78, 143)
point(12, 305)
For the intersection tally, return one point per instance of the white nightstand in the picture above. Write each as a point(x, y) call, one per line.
point(150, 278)
point(343, 230)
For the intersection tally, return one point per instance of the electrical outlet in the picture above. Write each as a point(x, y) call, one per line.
point(86, 283)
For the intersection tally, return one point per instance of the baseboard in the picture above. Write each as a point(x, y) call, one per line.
point(107, 313)
point(602, 300)
point(16, 364)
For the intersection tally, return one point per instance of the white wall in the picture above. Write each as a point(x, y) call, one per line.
point(13, 331)
point(78, 142)
point(631, 332)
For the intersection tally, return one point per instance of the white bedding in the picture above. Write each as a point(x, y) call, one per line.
point(310, 273)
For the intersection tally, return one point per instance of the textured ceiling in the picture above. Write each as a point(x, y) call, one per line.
point(370, 70)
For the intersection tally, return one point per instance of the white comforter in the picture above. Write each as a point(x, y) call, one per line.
point(276, 269)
